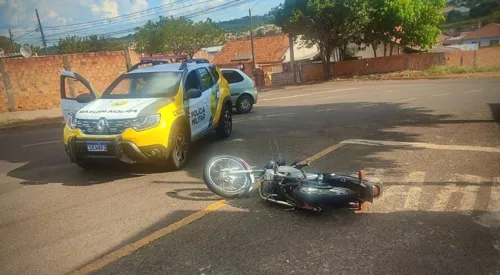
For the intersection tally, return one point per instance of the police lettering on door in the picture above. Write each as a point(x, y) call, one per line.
point(197, 116)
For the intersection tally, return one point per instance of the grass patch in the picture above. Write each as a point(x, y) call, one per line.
point(10, 121)
point(471, 22)
point(440, 70)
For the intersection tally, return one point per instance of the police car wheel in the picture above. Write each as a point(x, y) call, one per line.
point(180, 149)
point(225, 127)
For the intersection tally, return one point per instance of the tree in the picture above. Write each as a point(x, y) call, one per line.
point(417, 22)
point(178, 36)
point(7, 46)
point(453, 16)
point(330, 24)
point(92, 43)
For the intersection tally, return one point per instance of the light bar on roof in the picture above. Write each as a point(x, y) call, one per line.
point(162, 58)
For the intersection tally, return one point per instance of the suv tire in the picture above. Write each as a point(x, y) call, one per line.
point(180, 148)
point(244, 104)
point(225, 127)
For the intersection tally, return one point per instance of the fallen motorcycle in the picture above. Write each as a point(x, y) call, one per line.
point(231, 177)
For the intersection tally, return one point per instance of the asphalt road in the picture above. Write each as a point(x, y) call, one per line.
point(435, 144)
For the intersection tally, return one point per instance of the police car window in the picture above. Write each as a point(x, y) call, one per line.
point(232, 76)
point(206, 78)
point(192, 81)
point(139, 85)
point(215, 74)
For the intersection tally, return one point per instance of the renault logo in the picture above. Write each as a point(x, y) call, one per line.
point(102, 126)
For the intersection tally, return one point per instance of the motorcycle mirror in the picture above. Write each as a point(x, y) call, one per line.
point(281, 162)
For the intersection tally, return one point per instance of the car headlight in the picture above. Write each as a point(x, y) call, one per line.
point(71, 122)
point(147, 122)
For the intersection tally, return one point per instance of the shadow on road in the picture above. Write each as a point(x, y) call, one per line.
point(256, 138)
point(269, 240)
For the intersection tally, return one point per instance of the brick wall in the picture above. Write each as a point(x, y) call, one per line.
point(420, 61)
point(35, 80)
point(4, 103)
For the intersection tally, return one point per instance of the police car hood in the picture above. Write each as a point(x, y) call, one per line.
point(122, 108)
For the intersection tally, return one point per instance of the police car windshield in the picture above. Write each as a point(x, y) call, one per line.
point(141, 85)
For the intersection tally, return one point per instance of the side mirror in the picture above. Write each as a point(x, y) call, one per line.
point(281, 162)
point(193, 93)
point(84, 98)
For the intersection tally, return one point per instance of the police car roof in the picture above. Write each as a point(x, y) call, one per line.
point(170, 67)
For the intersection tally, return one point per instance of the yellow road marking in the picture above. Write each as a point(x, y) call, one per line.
point(308, 94)
point(405, 100)
point(323, 153)
point(285, 114)
point(130, 248)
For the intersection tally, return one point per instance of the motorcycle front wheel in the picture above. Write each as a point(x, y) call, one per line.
point(219, 179)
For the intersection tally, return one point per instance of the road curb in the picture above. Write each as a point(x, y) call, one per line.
point(33, 123)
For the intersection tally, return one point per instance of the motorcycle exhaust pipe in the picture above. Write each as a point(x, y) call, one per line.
point(273, 200)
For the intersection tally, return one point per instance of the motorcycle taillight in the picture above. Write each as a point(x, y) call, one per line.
point(376, 191)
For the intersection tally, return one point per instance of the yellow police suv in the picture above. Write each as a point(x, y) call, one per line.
point(148, 114)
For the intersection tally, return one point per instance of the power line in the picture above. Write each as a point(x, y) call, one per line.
point(118, 21)
point(115, 17)
point(186, 15)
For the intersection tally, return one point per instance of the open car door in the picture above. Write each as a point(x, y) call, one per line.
point(76, 92)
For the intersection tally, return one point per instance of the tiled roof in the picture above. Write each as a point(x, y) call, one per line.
point(9, 55)
point(487, 31)
point(267, 49)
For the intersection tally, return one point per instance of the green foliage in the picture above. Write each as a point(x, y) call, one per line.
point(177, 36)
point(483, 9)
point(242, 24)
point(461, 69)
point(454, 16)
point(92, 43)
point(333, 24)
point(6, 45)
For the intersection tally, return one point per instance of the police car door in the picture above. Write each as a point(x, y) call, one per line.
point(76, 92)
point(208, 84)
point(197, 110)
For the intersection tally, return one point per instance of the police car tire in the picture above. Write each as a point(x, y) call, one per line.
point(221, 129)
point(174, 162)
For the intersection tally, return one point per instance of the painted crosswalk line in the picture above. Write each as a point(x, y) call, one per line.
point(458, 193)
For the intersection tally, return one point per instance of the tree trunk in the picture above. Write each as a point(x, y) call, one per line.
point(385, 49)
point(392, 47)
point(326, 64)
point(374, 50)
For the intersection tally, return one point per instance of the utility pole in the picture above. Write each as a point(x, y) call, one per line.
point(11, 41)
point(41, 31)
point(292, 58)
point(251, 39)
point(478, 43)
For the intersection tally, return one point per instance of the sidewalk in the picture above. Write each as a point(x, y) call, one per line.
point(22, 118)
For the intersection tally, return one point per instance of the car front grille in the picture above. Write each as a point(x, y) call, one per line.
point(115, 126)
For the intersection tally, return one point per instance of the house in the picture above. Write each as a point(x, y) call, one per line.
point(455, 40)
point(270, 53)
point(463, 10)
point(488, 35)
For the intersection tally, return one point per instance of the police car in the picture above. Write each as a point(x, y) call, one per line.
point(148, 114)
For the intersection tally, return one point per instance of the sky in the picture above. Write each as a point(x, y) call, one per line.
point(61, 18)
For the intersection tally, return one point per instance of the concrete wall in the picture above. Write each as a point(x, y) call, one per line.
point(421, 61)
point(485, 42)
point(34, 81)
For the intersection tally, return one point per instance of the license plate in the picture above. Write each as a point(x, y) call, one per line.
point(97, 147)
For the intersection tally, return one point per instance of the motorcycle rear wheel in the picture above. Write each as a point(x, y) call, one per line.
point(221, 182)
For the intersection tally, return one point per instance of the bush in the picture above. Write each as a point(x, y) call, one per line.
point(461, 69)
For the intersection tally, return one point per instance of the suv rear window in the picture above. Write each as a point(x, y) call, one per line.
point(232, 76)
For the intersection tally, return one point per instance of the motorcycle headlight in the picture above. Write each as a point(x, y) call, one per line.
point(71, 122)
point(147, 122)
